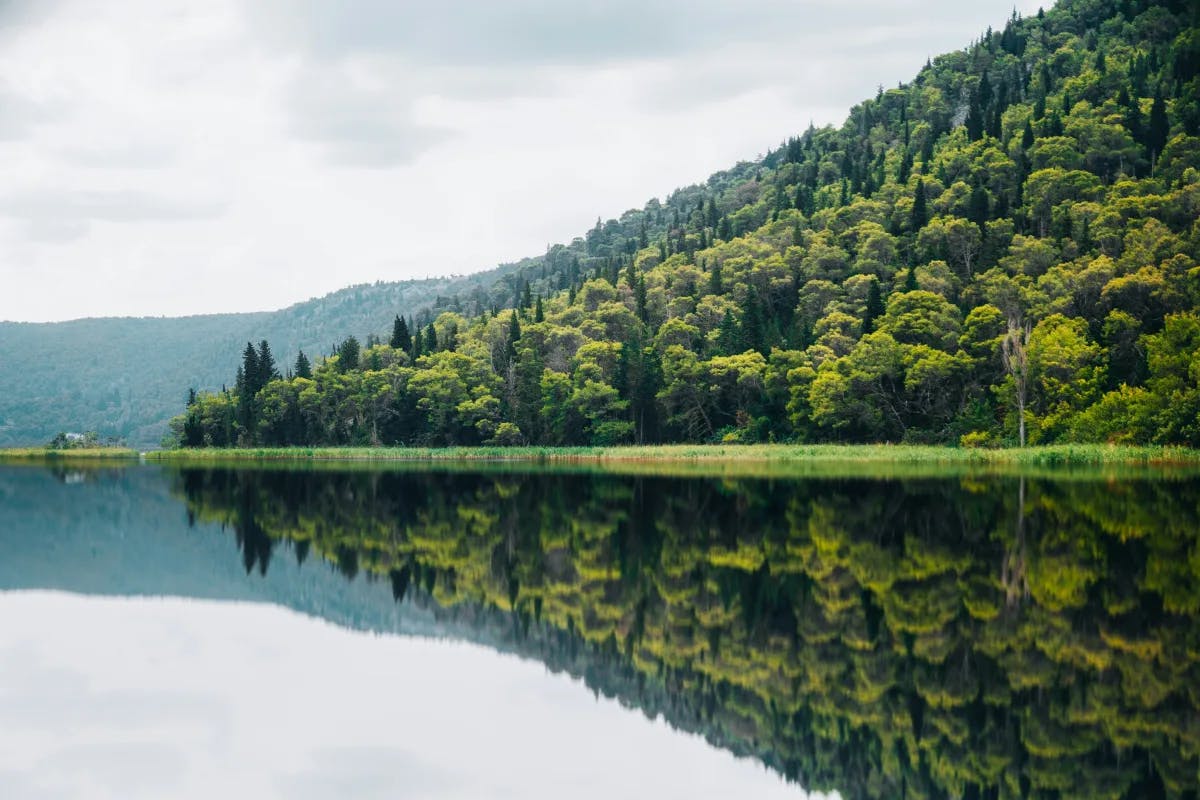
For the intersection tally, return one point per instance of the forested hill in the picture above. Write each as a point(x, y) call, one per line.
point(126, 377)
point(1005, 246)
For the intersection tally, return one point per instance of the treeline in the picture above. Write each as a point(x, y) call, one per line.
point(901, 638)
point(1003, 250)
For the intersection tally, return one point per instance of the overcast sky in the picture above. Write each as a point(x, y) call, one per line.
point(164, 157)
point(128, 698)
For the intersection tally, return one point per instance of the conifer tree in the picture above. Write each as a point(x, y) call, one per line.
point(401, 338)
point(348, 354)
point(979, 206)
point(919, 216)
point(418, 345)
point(1157, 127)
point(514, 334)
point(875, 307)
point(728, 335)
point(538, 314)
point(714, 280)
point(974, 121)
point(266, 364)
point(303, 368)
point(639, 294)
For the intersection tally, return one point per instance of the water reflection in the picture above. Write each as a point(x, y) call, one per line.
point(964, 636)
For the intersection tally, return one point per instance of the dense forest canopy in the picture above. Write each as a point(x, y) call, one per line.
point(1003, 250)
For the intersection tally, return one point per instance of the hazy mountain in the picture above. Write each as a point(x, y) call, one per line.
point(127, 376)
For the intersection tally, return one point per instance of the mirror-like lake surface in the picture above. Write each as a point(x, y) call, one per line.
point(474, 632)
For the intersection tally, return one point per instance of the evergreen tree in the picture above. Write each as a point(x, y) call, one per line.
point(418, 345)
point(514, 334)
point(715, 285)
point(753, 325)
point(729, 338)
point(919, 217)
point(538, 314)
point(875, 307)
point(974, 121)
point(266, 364)
point(1157, 127)
point(640, 299)
point(303, 368)
point(401, 339)
point(348, 354)
point(979, 206)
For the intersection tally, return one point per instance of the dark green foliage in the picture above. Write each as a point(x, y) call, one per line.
point(401, 338)
point(874, 308)
point(303, 368)
point(919, 216)
point(1035, 215)
point(348, 354)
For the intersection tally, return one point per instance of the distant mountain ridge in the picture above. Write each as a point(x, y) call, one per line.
point(121, 376)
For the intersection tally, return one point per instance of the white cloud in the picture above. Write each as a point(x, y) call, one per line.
point(180, 157)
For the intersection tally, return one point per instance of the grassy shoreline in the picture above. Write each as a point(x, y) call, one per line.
point(1054, 455)
point(78, 454)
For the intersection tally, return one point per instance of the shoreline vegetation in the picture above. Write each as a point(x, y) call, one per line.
point(731, 461)
point(70, 454)
point(772, 461)
point(1053, 455)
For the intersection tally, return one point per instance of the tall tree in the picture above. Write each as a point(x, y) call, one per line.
point(1014, 349)
point(401, 338)
point(303, 368)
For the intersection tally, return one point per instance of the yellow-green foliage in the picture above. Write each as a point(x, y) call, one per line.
point(860, 636)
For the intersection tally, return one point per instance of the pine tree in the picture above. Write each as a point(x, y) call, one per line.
point(910, 280)
point(303, 368)
point(266, 364)
point(418, 345)
point(1157, 127)
point(919, 216)
point(514, 334)
point(875, 308)
point(715, 285)
point(978, 207)
point(729, 338)
point(348, 353)
point(401, 339)
point(754, 334)
point(250, 383)
point(974, 121)
point(432, 344)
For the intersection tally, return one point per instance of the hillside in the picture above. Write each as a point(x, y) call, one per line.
point(1003, 250)
point(125, 377)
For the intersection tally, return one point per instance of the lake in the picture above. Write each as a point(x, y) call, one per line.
point(513, 631)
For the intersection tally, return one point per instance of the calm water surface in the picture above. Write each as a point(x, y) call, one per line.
point(366, 632)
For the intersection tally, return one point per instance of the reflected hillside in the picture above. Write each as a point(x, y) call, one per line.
point(966, 637)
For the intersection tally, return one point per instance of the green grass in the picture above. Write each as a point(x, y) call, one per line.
point(80, 454)
point(766, 461)
point(882, 453)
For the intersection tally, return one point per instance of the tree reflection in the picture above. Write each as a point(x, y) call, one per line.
point(852, 634)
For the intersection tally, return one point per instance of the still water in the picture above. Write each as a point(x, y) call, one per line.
point(471, 632)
